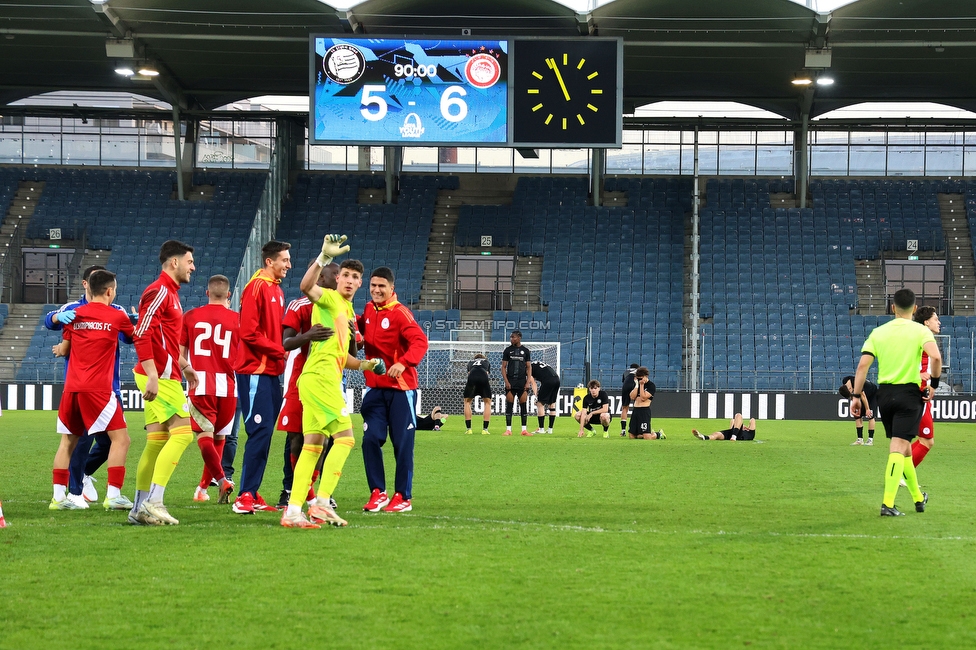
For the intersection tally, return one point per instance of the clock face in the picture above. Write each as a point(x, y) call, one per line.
point(566, 92)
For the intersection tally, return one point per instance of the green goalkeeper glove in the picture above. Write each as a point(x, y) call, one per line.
point(332, 247)
point(375, 366)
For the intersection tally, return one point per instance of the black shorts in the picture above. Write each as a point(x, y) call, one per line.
point(629, 385)
point(477, 387)
point(640, 421)
point(746, 434)
point(549, 392)
point(517, 389)
point(873, 405)
point(901, 409)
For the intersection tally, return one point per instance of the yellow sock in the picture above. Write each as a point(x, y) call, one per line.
point(304, 469)
point(334, 463)
point(911, 478)
point(155, 441)
point(893, 472)
point(179, 439)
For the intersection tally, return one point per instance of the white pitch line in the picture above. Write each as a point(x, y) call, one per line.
point(694, 532)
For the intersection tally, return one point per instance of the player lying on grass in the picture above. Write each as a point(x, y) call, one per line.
point(735, 431)
point(324, 411)
point(432, 422)
point(89, 402)
point(642, 394)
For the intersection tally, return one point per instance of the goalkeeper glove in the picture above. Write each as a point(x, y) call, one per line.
point(65, 316)
point(332, 247)
point(375, 366)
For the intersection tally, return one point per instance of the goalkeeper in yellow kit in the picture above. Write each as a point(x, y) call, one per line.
point(320, 388)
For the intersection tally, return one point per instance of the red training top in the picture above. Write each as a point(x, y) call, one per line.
point(393, 335)
point(210, 334)
point(157, 335)
point(94, 337)
point(262, 306)
point(298, 316)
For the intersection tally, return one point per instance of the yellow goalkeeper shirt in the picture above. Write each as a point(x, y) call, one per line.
point(327, 359)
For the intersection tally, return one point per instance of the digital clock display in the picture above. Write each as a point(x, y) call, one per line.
point(408, 92)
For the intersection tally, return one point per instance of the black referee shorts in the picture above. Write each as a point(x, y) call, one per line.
point(901, 409)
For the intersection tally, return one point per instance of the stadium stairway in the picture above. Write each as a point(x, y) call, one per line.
point(22, 202)
point(15, 337)
point(956, 228)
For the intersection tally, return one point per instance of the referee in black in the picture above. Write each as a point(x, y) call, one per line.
point(898, 346)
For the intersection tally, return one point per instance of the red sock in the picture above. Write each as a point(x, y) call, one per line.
point(60, 476)
point(210, 458)
point(116, 476)
point(311, 488)
point(918, 452)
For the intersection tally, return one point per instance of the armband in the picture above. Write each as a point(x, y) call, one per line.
point(855, 394)
point(934, 381)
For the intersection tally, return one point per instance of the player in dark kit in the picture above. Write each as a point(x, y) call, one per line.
point(478, 385)
point(735, 431)
point(517, 372)
point(643, 395)
point(596, 406)
point(869, 407)
point(546, 394)
point(629, 384)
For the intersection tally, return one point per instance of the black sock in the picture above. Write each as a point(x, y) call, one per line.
point(860, 432)
point(509, 407)
point(524, 416)
point(870, 434)
point(467, 424)
point(484, 425)
point(588, 427)
point(606, 427)
point(542, 421)
point(552, 420)
point(623, 425)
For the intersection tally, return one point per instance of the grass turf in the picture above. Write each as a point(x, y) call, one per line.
point(549, 541)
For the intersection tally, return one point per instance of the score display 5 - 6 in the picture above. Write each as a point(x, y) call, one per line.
point(410, 92)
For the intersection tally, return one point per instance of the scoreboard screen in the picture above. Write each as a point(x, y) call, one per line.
point(409, 92)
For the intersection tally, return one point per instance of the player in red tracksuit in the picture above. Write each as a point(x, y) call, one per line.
point(89, 402)
point(260, 362)
point(209, 342)
point(926, 430)
point(390, 402)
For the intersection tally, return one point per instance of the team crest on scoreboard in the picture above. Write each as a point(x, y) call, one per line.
point(482, 71)
point(343, 63)
point(412, 126)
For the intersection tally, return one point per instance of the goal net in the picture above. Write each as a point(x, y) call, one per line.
point(444, 371)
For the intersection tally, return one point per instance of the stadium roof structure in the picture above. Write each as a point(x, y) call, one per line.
point(211, 52)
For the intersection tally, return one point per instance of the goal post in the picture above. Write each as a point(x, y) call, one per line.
point(444, 371)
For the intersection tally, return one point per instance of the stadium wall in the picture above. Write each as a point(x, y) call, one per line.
point(711, 406)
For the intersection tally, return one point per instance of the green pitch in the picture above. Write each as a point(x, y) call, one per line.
point(546, 542)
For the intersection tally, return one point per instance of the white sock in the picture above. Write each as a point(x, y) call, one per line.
point(523, 428)
point(293, 510)
point(60, 492)
point(112, 492)
point(156, 493)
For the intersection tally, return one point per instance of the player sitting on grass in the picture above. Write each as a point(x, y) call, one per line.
point(324, 411)
point(640, 421)
point(89, 402)
point(735, 431)
point(596, 406)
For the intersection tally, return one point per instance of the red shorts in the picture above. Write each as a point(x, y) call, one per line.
point(926, 429)
point(290, 418)
point(219, 411)
point(81, 414)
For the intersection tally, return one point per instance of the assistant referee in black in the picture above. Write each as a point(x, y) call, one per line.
point(898, 346)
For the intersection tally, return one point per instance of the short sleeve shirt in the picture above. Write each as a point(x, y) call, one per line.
point(543, 372)
point(591, 403)
point(517, 357)
point(94, 337)
point(478, 369)
point(328, 358)
point(897, 345)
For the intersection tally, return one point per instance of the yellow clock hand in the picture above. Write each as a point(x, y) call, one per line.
point(559, 77)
